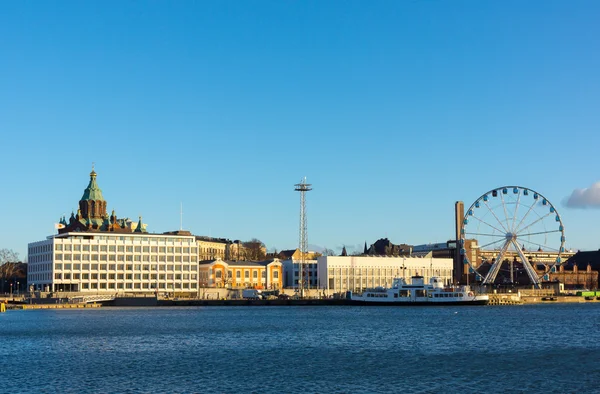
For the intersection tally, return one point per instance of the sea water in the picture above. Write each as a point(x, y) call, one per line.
point(293, 349)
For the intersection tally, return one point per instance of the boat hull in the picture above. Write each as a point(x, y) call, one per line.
point(417, 303)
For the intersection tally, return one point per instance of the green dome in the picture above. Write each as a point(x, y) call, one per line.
point(92, 192)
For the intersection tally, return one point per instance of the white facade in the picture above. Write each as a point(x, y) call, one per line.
point(114, 262)
point(357, 273)
point(291, 273)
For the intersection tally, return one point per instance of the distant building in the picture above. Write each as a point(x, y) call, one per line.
point(96, 252)
point(241, 274)
point(356, 273)
point(213, 248)
point(112, 262)
point(291, 273)
point(291, 260)
point(383, 247)
point(92, 216)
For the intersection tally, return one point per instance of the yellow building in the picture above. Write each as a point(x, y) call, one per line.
point(241, 274)
point(212, 248)
point(296, 254)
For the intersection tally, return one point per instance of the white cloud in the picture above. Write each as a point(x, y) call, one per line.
point(585, 198)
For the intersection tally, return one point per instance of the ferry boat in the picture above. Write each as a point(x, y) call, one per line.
point(419, 293)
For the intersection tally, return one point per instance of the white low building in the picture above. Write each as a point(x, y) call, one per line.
point(291, 273)
point(110, 262)
point(356, 273)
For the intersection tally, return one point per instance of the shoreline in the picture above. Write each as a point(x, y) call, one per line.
point(495, 300)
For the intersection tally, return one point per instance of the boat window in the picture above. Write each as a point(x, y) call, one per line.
point(404, 293)
point(460, 294)
point(395, 295)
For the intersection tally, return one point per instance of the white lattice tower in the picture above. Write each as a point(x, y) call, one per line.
point(303, 187)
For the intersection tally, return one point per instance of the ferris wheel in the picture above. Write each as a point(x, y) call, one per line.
point(513, 220)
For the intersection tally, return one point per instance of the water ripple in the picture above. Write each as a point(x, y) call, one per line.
point(539, 348)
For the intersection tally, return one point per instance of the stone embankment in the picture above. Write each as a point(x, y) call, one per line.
point(505, 299)
point(52, 306)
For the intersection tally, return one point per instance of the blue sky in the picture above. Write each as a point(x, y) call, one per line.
point(393, 110)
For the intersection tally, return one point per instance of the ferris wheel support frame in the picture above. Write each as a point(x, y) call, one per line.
point(511, 229)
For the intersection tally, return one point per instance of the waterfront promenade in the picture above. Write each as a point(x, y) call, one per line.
point(25, 303)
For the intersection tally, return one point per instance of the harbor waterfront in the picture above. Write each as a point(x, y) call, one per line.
point(530, 348)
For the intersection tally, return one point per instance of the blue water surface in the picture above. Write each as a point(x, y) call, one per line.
point(498, 349)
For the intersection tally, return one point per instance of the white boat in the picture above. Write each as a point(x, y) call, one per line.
point(419, 293)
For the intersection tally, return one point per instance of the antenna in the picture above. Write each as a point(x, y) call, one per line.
point(180, 216)
point(303, 187)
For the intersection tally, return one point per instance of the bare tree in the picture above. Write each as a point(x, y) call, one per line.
point(328, 252)
point(255, 249)
point(9, 260)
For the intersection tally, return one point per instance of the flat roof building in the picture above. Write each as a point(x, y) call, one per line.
point(112, 262)
point(357, 273)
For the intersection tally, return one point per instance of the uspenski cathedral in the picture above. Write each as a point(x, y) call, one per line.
point(91, 214)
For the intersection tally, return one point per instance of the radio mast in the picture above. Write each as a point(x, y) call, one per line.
point(303, 187)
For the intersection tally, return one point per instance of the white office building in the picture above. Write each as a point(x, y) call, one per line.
point(97, 252)
point(98, 262)
point(356, 273)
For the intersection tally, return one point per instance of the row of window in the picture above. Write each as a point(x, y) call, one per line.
point(40, 249)
point(39, 258)
point(122, 257)
point(146, 277)
point(446, 295)
point(32, 278)
point(310, 273)
point(39, 267)
point(386, 271)
point(238, 274)
point(124, 248)
point(124, 267)
point(145, 286)
point(138, 239)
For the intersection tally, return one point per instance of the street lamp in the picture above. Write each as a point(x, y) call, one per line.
point(11, 285)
